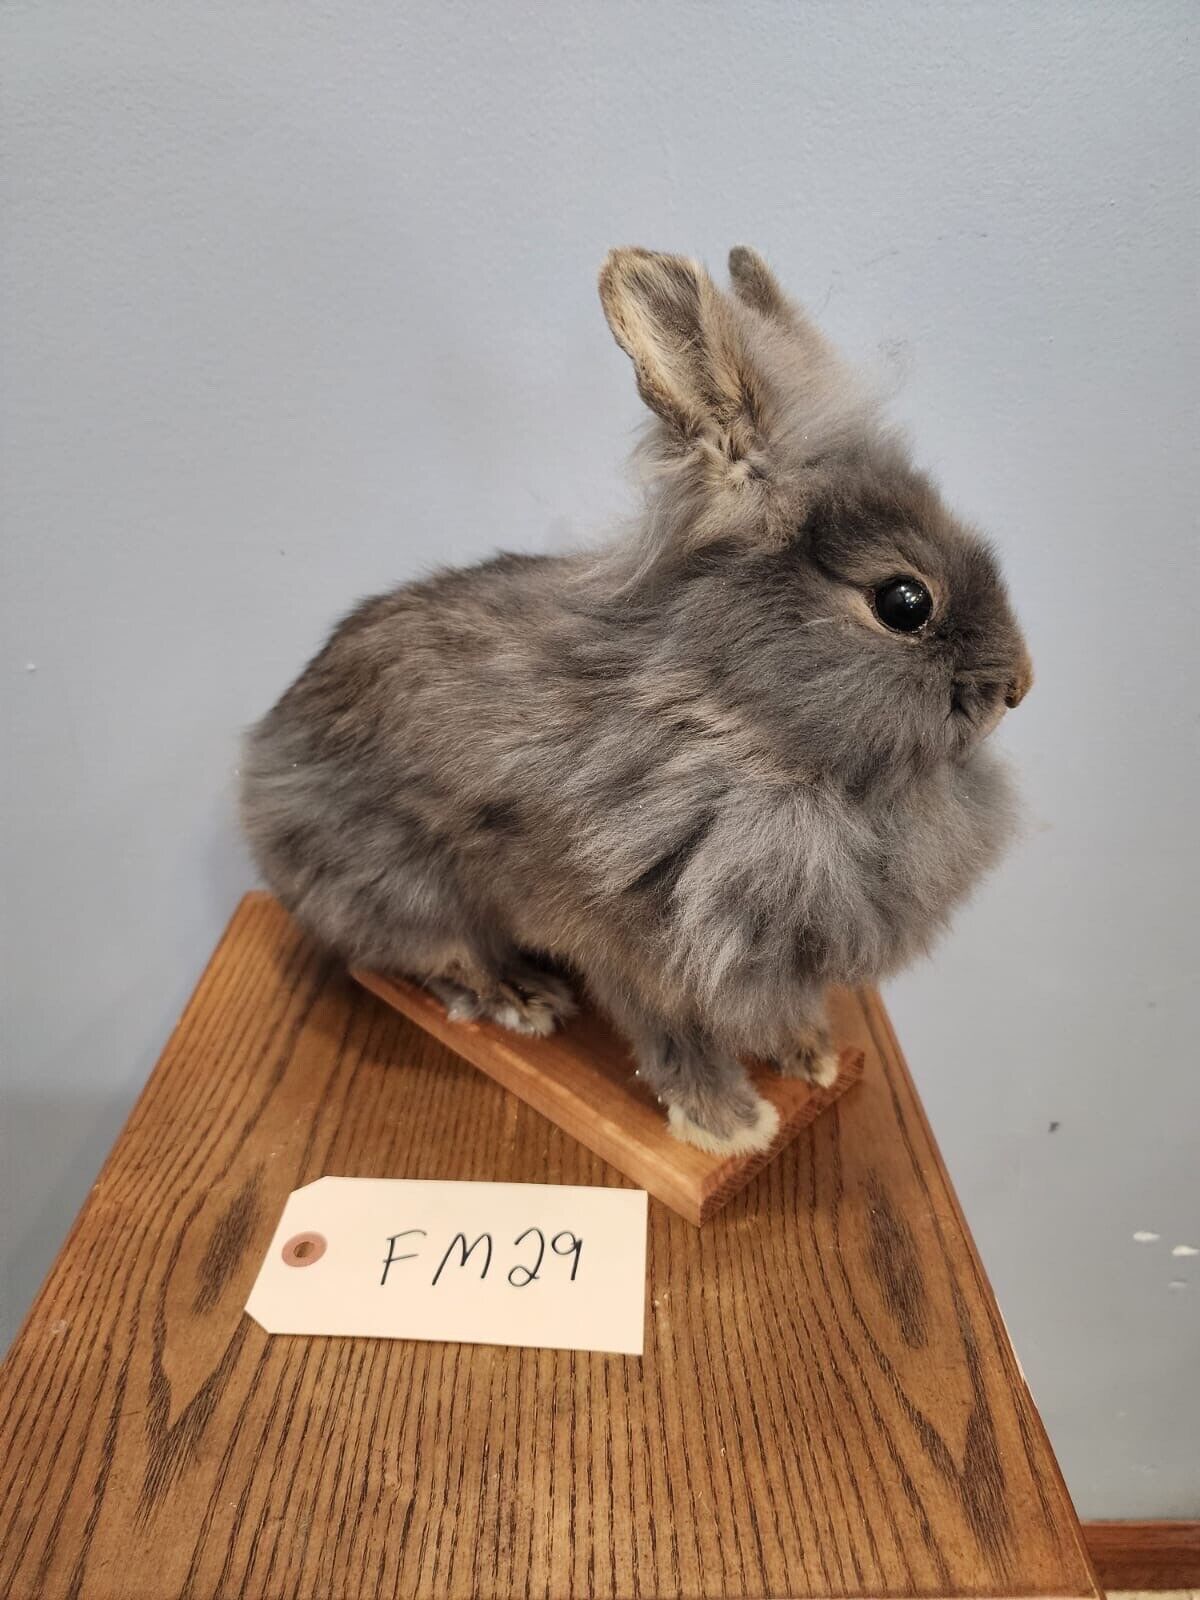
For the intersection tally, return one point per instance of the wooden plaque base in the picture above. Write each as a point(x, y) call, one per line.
point(582, 1079)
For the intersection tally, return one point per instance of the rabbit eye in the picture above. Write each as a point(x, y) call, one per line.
point(903, 604)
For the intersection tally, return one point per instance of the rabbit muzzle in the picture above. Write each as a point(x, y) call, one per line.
point(979, 698)
point(1020, 683)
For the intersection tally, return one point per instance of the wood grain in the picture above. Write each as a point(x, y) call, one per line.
point(1145, 1555)
point(828, 1404)
point(582, 1079)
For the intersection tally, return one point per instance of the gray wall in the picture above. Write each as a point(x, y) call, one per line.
point(299, 300)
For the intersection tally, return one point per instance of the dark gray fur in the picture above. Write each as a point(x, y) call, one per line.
point(692, 769)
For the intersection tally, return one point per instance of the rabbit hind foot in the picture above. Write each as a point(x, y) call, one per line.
point(521, 998)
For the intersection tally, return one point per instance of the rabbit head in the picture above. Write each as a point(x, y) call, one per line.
point(792, 538)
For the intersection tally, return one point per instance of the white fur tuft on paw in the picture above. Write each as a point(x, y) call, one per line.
point(462, 1009)
point(756, 1135)
point(819, 1070)
point(531, 1018)
point(824, 1070)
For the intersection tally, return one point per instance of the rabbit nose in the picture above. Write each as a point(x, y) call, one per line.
point(1019, 684)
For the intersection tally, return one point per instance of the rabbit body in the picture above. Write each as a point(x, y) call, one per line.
point(693, 771)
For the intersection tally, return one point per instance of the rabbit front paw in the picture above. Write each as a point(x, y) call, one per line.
point(809, 1052)
point(723, 1135)
point(816, 1063)
point(710, 1101)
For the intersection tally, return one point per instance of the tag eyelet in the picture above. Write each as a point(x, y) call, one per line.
point(303, 1249)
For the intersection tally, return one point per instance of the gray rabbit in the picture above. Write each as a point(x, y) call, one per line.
point(733, 757)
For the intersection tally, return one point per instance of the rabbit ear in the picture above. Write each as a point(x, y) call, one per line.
point(754, 283)
point(757, 287)
point(687, 350)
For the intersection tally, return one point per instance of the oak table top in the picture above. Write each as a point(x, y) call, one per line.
point(827, 1405)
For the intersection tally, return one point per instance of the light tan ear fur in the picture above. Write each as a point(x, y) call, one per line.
point(689, 354)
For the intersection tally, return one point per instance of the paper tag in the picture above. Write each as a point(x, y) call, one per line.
point(555, 1266)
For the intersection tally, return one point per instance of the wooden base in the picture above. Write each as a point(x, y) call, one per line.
point(1145, 1555)
point(582, 1079)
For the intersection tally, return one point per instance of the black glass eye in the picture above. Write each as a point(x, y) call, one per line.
point(903, 604)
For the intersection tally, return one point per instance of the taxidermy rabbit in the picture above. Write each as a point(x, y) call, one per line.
point(734, 756)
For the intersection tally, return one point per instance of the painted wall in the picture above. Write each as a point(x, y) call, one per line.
point(299, 299)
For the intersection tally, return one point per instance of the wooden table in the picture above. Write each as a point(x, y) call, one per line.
point(828, 1403)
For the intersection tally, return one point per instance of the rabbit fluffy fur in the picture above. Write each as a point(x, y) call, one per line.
point(693, 773)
